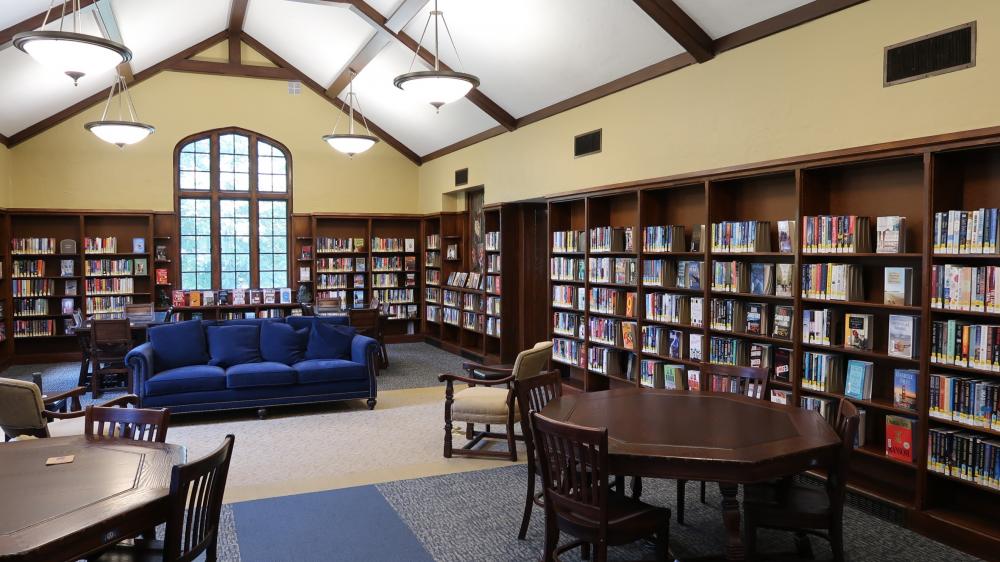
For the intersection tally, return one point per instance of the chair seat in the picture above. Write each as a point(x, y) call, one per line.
point(628, 519)
point(482, 404)
point(140, 551)
point(805, 505)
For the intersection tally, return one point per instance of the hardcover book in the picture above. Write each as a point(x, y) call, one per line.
point(269, 297)
point(178, 298)
point(628, 334)
point(857, 331)
point(694, 379)
point(138, 245)
point(904, 389)
point(783, 321)
point(67, 306)
point(786, 233)
point(141, 267)
point(676, 344)
point(899, 437)
point(208, 298)
point(756, 322)
point(66, 268)
point(783, 279)
point(694, 347)
point(902, 336)
point(780, 396)
point(194, 298)
point(409, 245)
point(70, 288)
point(161, 253)
point(286, 296)
point(858, 384)
point(890, 235)
point(161, 276)
point(783, 364)
point(762, 278)
point(239, 296)
point(898, 285)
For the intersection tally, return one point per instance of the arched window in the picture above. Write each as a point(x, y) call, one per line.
point(233, 201)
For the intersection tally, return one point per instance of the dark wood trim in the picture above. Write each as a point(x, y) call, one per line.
point(4, 141)
point(669, 16)
point(476, 96)
point(230, 69)
point(237, 17)
point(781, 22)
point(76, 108)
point(316, 87)
point(487, 134)
point(35, 22)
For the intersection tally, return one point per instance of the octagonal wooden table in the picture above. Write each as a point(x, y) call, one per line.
point(114, 489)
point(685, 435)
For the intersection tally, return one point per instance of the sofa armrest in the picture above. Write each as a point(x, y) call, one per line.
point(140, 362)
point(362, 348)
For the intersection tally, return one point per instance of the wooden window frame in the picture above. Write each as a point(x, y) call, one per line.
point(215, 194)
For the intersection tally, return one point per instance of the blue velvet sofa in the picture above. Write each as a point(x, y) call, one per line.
point(199, 366)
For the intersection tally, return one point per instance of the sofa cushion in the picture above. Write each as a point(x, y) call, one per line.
point(178, 344)
point(299, 322)
point(267, 373)
point(327, 341)
point(192, 378)
point(282, 343)
point(329, 370)
point(233, 345)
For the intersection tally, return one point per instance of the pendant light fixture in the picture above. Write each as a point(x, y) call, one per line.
point(122, 131)
point(436, 87)
point(73, 53)
point(351, 143)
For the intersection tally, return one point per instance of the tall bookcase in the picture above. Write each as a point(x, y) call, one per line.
point(914, 182)
point(6, 334)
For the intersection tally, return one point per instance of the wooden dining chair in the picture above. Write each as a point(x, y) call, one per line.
point(328, 305)
point(110, 342)
point(729, 379)
point(196, 491)
point(116, 420)
point(533, 394)
point(489, 400)
point(806, 509)
point(368, 322)
point(24, 411)
point(574, 466)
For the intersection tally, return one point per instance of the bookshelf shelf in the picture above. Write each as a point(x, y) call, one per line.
point(960, 425)
point(671, 324)
point(961, 369)
point(751, 296)
point(971, 313)
point(752, 337)
point(864, 304)
point(736, 255)
point(879, 454)
point(874, 355)
point(833, 256)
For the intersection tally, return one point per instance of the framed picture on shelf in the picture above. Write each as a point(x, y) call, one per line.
point(451, 252)
point(161, 253)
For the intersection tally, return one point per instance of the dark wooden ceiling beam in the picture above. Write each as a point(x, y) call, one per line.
point(476, 96)
point(35, 22)
point(668, 15)
point(237, 17)
point(319, 89)
point(792, 18)
point(230, 69)
point(358, 63)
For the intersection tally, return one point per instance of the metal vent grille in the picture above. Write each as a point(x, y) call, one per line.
point(945, 51)
point(461, 176)
point(294, 87)
point(587, 143)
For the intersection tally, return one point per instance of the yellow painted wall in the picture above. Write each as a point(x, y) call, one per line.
point(813, 88)
point(67, 167)
point(220, 53)
point(5, 169)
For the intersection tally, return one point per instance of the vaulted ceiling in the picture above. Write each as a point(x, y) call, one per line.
point(534, 58)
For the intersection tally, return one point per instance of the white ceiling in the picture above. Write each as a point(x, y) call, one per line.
point(528, 54)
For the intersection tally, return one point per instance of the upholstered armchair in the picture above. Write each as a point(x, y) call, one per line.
point(23, 410)
point(489, 401)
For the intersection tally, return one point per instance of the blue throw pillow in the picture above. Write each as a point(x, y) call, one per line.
point(233, 345)
point(178, 344)
point(327, 341)
point(282, 343)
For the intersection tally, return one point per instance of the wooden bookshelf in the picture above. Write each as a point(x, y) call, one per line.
point(404, 306)
point(6, 302)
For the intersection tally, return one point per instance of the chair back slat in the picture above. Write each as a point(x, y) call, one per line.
point(748, 381)
point(106, 334)
point(846, 425)
point(196, 491)
point(533, 394)
point(139, 424)
point(574, 467)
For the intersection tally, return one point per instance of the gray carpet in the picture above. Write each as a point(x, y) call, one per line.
point(475, 516)
point(411, 365)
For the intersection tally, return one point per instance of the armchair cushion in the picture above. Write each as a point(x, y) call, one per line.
point(20, 406)
point(267, 373)
point(482, 404)
point(329, 342)
point(191, 378)
point(233, 345)
point(329, 370)
point(283, 343)
point(178, 345)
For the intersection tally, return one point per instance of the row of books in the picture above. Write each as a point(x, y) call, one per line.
point(621, 271)
point(472, 301)
point(465, 279)
point(493, 305)
point(433, 241)
point(747, 236)
point(452, 298)
point(569, 351)
point(450, 316)
point(967, 456)
point(340, 265)
point(569, 241)
point(966, 232)
point(611, 331)
point(832, 281)
point(567, 269)
point(31, 307)
point(955, 342)
point(822, 327)
point(669, 238)
point(109, 286)
point(682, 274)
point(357, 297)
point(107, 305)
point(973, 402)
point(493, 284)
point(492, 241)
point(394, 263)
point(432, 295)
point(432, 258)
point(326, 244)
point(493, 326)
point(433, 313)
point(340, 280)
point(387, 280)
point(33, 287)
point(118, 267)
point(612, 301)
point(34, 246)
point(393, 244)
point(611, 239)
point(100, 245)
point(231, 297)
point(675, 308)
point(433, 277)
point(664, 342)
point(400, 312)
point(36, 268)
point(33, 328)
point(962, 287)
point(654, 373)
point(728, 351)
point(493, 263)
point(472, 321)
point(836, 234)
point(394, 296)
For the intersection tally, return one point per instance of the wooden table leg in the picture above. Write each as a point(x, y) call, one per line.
point(731, 518)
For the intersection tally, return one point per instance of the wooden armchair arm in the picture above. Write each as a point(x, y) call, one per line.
point(73, 394)
point(469, 367)
point(64, 415)
point(122, 402)
point(451, 378)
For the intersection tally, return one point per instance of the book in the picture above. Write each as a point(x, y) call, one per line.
point(694, 346)
point(141, 267)
point(762, 278)
point(858, 382)
point(902, 336)
point(67, 306)
point(780, 396)
point(305, 273)
point(694, 379)
point(756, 318)
point(904, 389)
point(161, 253)
point(194, 298)
point(286, 295)
point(890, 235)
point(899, 437)
point(783, 279)
point(178, 298)
point(628, 334)
point(898, 286)
point(208, 298)
point(161, 276)
point(239, 296)
point(138, 245)
point(269, 296)
point(782, 321)
point(306, 252)
point(783, 364)
point(786, 236)
point(857, 331)
point(66, 268)
point(70, 287)
point(409, 245)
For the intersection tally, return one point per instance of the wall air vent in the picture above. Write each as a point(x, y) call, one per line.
point(294, 87)
point(945, 51)
point(461, 177)
point(587, 143)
